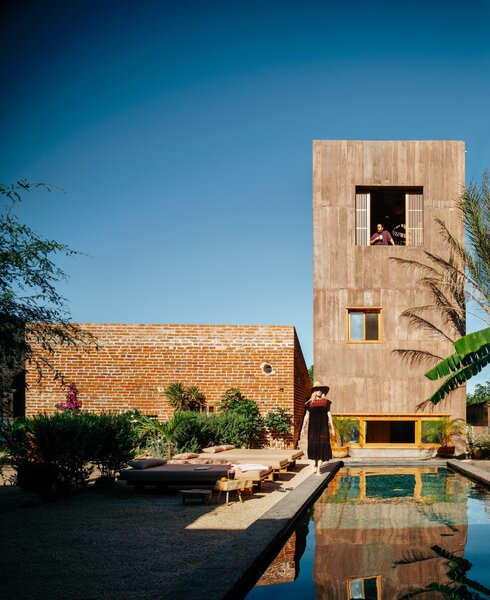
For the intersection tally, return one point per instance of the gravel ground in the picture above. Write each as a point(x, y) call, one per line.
point(116, 543)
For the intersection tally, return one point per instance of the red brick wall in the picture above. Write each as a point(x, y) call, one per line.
point(135, 363)
point(302, 387)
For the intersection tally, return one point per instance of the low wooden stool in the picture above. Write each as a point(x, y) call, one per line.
point(230, 485)
point(204, 495)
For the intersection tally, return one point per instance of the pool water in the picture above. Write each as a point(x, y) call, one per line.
point(387, 534)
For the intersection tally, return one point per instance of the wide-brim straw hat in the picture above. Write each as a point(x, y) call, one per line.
point(319, 386)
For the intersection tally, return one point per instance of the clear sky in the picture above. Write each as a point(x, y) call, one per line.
point(181, 132)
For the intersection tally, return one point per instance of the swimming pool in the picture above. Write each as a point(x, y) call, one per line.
point(387, 534)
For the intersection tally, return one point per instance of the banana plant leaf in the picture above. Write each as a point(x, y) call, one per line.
point(469, 349)
point(472, 354)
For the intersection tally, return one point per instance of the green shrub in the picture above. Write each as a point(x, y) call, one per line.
point(65, 441)
point(115, 438)
point(17, 443)
point(55, 454)
point(37, 477)
point(481, 446)
point(235, 429)
point(278, 422)
point(196, 432)
point(234, 402)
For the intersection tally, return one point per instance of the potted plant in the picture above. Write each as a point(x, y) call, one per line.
point(481, 447)
point(345, 429)
point(442, 431)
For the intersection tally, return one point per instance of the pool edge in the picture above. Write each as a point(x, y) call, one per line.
point(470, 471)
point(229, 572)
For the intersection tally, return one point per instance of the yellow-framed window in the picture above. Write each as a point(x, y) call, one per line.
point(364, 325)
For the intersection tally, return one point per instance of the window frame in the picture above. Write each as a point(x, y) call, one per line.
point(414, 210)
point(366, 310)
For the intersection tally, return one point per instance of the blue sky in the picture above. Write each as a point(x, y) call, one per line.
point(181, 133)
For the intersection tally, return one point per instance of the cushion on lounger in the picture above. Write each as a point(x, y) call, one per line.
point(146, 463)
point(185, 456)
point(213, 449)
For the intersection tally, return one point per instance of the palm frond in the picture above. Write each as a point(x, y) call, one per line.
point(415, 320)
point(416, 358)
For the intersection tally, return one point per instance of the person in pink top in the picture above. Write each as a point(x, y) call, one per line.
point(382, 237)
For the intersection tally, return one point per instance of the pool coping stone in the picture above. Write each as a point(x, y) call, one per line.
point(470, 471)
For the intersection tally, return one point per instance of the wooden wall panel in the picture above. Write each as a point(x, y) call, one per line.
point(368, 378)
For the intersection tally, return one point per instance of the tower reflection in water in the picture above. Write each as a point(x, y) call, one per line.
point(375, 532)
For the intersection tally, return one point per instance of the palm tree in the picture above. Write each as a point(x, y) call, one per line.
point(164, 429)
point(446, 279)
point(345, 428)
point(442, 430)
point(443, 280)
point(182, 398)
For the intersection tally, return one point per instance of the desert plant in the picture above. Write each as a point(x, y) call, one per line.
point(278, 422)
point(165, 430)
point(182, 398)
point(441, 431)
point(153, 445)
point(345, 429)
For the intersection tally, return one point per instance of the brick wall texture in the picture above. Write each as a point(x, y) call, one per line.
point(135, 363)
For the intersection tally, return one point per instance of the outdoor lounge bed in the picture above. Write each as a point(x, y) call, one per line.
point(275, 465)
point(187, 474)
point(291, 456)
point(277, 460)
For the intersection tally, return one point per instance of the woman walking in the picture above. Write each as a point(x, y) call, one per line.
point(320, 425)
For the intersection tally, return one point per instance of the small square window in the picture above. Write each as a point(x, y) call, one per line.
point(363, 325)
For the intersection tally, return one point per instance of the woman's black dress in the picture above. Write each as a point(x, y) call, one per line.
point(318, 430)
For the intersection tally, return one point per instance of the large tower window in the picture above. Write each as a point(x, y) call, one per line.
point(399, 209)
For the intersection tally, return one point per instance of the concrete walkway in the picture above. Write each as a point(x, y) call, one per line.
point(231, 572)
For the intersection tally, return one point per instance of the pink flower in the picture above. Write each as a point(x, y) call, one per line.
point(72, 402)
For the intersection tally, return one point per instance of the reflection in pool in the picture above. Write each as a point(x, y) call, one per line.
point(387, 534)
